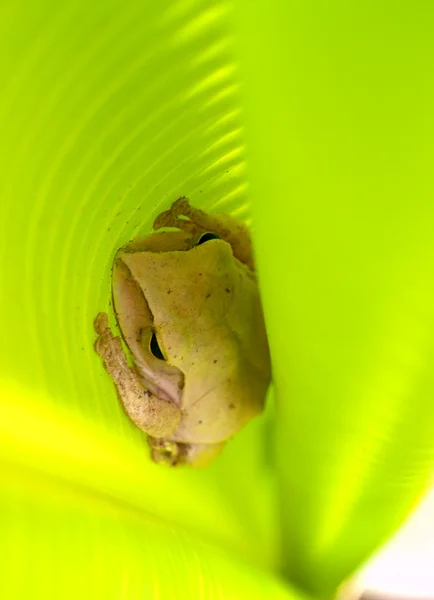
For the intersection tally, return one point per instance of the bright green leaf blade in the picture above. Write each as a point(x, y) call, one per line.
point(340, 122)
point(82, 517)
point(108, 112)
point(217, 503)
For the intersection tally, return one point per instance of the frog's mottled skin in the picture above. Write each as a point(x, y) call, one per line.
point(190, 314)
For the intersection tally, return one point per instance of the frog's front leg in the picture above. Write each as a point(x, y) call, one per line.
point(164, 452)
point(154, 416)
point(226, 227)
point(175, 454)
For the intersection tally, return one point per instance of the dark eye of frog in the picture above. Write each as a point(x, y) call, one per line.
point(206, 237)
point(155, 348)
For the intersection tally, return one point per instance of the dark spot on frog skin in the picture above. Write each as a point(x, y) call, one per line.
point(215, 361)
point(208, 295)
point(227, 290)
point(231, 406)
point(169, 291)
point(199, 422)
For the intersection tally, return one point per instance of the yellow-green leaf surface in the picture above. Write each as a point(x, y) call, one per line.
point(108, 112)
point(83, 514)
point(339, 109)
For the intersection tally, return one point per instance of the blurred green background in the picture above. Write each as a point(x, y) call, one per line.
point(108, 112)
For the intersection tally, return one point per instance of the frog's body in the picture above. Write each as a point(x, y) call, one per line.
point(188, 307)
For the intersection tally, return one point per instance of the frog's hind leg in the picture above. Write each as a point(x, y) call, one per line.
point(197, 222)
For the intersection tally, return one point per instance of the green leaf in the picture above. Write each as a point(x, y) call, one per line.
point(339, 133)
point(86, 514)
point(108, 113)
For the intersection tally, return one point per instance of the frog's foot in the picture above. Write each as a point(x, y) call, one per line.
point(194, 223)
point(152, 415)
point(175, 454)
point(188, 218)
point(164, 452)
point(197, 222)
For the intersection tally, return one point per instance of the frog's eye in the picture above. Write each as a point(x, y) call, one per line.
point(155, 348)
point(206, 237)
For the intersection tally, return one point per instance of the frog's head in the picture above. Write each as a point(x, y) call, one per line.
point(193, 322)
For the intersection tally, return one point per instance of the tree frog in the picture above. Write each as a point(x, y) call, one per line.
point(187, 304)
